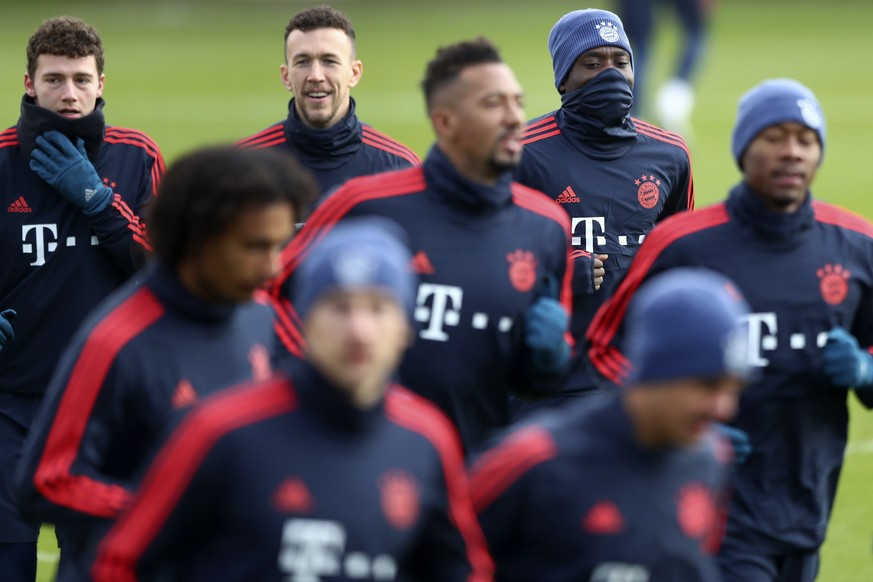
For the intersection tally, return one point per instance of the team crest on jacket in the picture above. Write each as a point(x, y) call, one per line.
point(400, 498)
point(522, 270)
point(648, 191)
point(184, 395)
point(604, 519)
point(833, 283)
point(696, 510)
point(293, 496)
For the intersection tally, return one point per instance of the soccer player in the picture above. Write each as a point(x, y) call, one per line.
point(322, 129)
point(329, 473)
point(73, 191)
point(629, 487)
point(804, 267)
point(494, 292)
point(615, 176)
point(186, 327)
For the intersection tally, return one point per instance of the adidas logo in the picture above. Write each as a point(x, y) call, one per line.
point(19, 205)
point(568, 196)
point(421, 264)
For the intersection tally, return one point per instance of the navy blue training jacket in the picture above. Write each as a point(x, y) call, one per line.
point(570, 496)
point(802, 274)
point(614, 194)
point(286, 480)
point(349, 149)
point(143, 357)
point(58, 263)
point(481, 253)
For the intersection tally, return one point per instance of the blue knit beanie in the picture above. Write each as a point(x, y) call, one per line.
point(580, 31)
point(772, 102)
point(686, 323)
point(357, 254)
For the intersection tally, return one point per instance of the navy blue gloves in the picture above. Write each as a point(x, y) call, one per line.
point(739, 441)
point(545, 325)
point(844, 362)
point(68, 170)
point(6, 333)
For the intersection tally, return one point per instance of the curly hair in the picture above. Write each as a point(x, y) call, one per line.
point(64, 36)
point(321, 17)
point(451, 60)
point(205, 191)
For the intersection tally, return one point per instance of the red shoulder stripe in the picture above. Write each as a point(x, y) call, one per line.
point(139, 139)
point(673, 139)
point(9, 137)
point(176, 465)
point(838, 216)
point(273, 135)
point(335, 206)
point(608, 318)
point(535, 124)
point(418, 415)
point(52, 477)
point(389, 144)
point(536, 201)
point(496, 470)
point(528, 140)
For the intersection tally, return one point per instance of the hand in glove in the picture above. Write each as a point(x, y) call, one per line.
point(739, 441)
point(68, 170)
point(6, 333)
point(545, 325)
point(844, 362)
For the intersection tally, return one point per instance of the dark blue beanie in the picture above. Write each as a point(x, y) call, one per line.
point(357, 254)
point(773, 102)
point(686, 323)
point(580, 31)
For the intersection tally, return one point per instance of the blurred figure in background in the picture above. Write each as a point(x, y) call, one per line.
point(673, 103)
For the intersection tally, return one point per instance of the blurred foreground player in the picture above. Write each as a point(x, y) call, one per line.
point(187, 327)
point(627, 486)
point(329, 473)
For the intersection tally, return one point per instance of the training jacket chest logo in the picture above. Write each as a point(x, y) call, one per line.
point(522, 270)
point(567, 196)
point(833, 283)
point(648, 191)
point(42, 239)
point(696, 511)
point(399, 498)
point(603, 519)
point(293, 496)
point(19, 205)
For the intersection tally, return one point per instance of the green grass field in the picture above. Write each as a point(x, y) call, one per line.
point(192, 73)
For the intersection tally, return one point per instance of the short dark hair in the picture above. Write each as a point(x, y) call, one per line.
point(451, 60)
point(64, 36)
point(205, 191)
point(321, 17)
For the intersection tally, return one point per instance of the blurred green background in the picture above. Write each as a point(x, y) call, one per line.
point(195, 72)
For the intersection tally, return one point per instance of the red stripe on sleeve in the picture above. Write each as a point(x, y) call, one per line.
point(272, 135)
point(176, 465)
point(383, 142)
point(837, 216)
point(52, 477)
point(608, 318)
point(417, 414)
point(497, 469)
point(538, 124)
